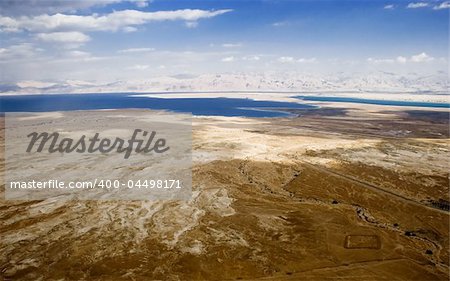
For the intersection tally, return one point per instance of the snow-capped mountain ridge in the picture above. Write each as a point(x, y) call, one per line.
point(288, 82)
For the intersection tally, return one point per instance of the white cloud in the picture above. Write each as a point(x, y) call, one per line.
point(138, 67)
point(128, 29)
point(389, 7)
point(280, 23)
point(110, 22)
point(231, 45)
point(251, 58)
point(136, 50)
point(293, 60)
point(417, 5)
point(228, 59)
point(286, 59)
point(78, 54)
point(443, 5)
point(141, 3)
point(191, 24)
point(8, 24)
point(401, 59)
point(63, 37)
point(422, 57)
point(18, 51)
point(378, 61)
point(306, 60)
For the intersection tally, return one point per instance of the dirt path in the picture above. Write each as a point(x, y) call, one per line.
point(374, 188)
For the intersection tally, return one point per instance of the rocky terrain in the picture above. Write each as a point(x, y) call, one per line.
point(334, 194)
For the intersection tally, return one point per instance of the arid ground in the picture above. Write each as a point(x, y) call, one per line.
point(338, 193)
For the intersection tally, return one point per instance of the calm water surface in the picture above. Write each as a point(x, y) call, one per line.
point(196, 106)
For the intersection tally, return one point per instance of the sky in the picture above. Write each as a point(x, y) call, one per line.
point(111, 40)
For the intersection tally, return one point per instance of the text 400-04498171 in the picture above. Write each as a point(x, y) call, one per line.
point(154, 183)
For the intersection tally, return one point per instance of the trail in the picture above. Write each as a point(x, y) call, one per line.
point(374, 188)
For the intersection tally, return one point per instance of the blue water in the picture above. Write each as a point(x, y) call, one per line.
point(371, 101)
point(196, 106)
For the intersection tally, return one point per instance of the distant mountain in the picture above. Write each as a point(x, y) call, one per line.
point(355, 82)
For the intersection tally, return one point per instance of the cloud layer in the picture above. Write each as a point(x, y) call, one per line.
point(110, 22)
point(422, 57)
point(417, 5)
point(63, 37)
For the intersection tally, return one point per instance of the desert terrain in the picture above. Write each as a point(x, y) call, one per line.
point(343, 192)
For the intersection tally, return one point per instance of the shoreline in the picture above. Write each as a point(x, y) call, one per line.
point(425, 96)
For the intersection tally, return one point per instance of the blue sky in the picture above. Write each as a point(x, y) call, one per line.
point(114, 39)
